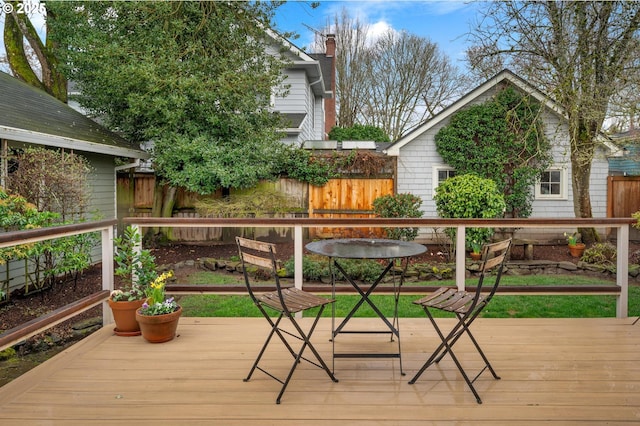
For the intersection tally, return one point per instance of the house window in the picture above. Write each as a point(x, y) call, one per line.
point(552, 184)
point(440, 174)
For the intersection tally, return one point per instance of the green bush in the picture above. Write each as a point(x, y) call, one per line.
point(315, 268)
point(358, 132)
point(469, 196)
point(399, 205)
point(604, 254)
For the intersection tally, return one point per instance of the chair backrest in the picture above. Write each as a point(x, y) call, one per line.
point(494, 256)
point(260, 254)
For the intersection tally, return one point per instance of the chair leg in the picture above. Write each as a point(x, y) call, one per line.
point(445, 347)
point(274, 329)
point(306, 338)
point(306, 342)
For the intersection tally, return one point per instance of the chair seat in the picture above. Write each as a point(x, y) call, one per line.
point(296, 300)
point(450, 300)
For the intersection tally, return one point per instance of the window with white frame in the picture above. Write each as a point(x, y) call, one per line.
point(552, 184)
point(440, 174)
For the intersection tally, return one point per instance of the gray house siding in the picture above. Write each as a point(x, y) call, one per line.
point(300, 98)
point(102, 184)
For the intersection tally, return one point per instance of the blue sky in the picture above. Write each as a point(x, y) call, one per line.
point(444, 22)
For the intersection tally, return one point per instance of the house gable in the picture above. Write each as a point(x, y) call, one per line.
point(420, 167)
point(477, 95)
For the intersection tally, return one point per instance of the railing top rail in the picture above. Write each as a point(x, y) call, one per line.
point(40, 234)
point(381, 222)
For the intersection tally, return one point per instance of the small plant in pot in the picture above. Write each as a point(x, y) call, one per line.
point(158, 317)
point(137, 269)
point(576, 248)
point(475, 251)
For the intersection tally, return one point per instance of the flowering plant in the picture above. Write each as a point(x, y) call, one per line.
point(572, 239)
point(157, 303)
point(476, 246)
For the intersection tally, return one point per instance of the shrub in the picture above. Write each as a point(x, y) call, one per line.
point(314, 269)
point(359, 132)
point(469, 196)
point(399, 205)
point(600, 254)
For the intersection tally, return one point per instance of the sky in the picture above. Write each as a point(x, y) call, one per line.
point(444, 22)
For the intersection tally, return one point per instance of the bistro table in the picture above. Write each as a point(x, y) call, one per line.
point(366, 248)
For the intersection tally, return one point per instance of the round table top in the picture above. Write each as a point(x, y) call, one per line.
point(366, 248)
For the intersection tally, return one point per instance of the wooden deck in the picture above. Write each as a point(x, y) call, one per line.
point(562, 371)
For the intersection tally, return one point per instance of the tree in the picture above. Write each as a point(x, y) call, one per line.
point(41, 72)
point(393, 82)
point(194, 78)
point(503, 140)
point(62, 189)
point(408, 79)
point(579, 52)
point(351, 39)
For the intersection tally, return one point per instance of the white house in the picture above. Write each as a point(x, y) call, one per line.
point(421, 169)
point(309, 83)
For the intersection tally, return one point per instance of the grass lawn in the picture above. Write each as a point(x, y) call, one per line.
point(212, 305)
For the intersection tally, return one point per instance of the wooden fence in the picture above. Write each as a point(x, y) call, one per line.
point(339, 198)
point(623, 194)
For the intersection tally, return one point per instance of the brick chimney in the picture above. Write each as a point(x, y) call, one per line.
point(330, 103)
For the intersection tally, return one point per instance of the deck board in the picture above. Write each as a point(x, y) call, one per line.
point(562, 371)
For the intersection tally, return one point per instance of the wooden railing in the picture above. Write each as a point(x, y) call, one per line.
point(38, 325)
point(621, 225)
point(106, 228)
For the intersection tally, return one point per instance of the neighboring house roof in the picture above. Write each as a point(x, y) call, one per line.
point(28, 114)
point(327, 70)
point(504, 76)
point(312, 65)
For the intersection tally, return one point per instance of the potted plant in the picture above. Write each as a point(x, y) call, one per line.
point(137, 269)
point(476, 248)
point(575, 248)
point(158, 317)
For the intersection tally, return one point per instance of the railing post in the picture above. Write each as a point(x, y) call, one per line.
point(107, 271)
point(297, 256)
point(460, 257)
point(622, 272)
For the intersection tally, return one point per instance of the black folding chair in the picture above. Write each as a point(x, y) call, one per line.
point(466, 305)
point(287, 302)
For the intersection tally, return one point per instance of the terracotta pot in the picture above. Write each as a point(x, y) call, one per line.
point(475, 256)
point(159, 328)
point(124, 315)
point(577, 249)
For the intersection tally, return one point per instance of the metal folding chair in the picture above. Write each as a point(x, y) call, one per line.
point(286, 302)
point(466, 305)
